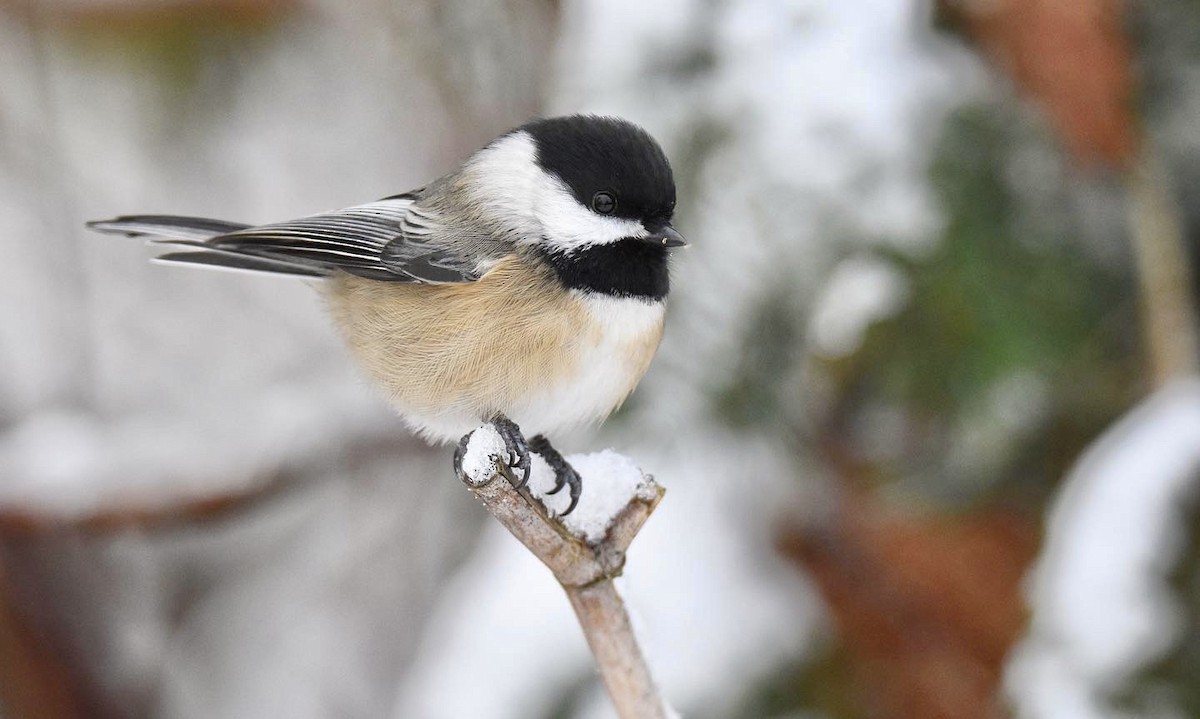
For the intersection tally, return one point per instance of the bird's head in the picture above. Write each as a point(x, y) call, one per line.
point(568, 184)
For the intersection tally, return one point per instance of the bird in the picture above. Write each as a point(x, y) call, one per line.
point(526, 288)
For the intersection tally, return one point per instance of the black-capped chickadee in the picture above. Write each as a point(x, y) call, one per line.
point(525, 288)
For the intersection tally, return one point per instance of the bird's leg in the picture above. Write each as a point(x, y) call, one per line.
point(516, 447)
point(564, 474)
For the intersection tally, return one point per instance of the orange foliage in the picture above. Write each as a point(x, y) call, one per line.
point(927, 607)
point(1072, 57)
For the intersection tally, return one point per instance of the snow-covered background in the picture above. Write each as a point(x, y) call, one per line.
point(904, 314)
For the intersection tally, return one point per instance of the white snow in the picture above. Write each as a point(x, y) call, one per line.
point(1101, 606)
point(484, 449)
point(610, 482)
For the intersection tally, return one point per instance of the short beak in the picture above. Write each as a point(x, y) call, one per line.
point(667, 237)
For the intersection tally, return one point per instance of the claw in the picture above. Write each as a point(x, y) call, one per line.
point(459, 452)
point(517, 449)
point(576, 490)
point(564, 474)
point(572, 481)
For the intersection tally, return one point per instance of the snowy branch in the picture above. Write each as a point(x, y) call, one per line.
point(585, 551)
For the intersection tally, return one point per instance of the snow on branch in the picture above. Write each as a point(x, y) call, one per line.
point(585, 550)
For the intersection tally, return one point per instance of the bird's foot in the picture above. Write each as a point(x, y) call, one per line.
point(516, 464)
point(564, 474)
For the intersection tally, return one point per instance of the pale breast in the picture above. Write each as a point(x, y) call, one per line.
point(614, 347)
point(514, 342)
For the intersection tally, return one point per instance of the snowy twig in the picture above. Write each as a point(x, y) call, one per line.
point(585, 551)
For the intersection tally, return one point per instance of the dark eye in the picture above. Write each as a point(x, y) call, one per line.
point(604, 203)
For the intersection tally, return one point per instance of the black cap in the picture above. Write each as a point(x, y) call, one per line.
point(592, 154)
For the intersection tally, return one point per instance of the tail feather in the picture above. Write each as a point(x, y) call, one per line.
point(240, 262)
point(194, 232)
point(169, 226)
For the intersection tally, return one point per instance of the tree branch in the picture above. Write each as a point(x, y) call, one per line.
point(584, 561)
point(1164, 273)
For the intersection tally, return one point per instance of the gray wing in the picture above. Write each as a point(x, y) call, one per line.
point(395, 239)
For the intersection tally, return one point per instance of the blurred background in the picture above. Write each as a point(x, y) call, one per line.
point(926, 408)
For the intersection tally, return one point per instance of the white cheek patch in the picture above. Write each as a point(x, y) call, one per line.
point(572, 225)
point(500, 180)
point(509, 182)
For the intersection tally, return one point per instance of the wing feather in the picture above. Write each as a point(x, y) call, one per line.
point(396, 239)
point(376, 240)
